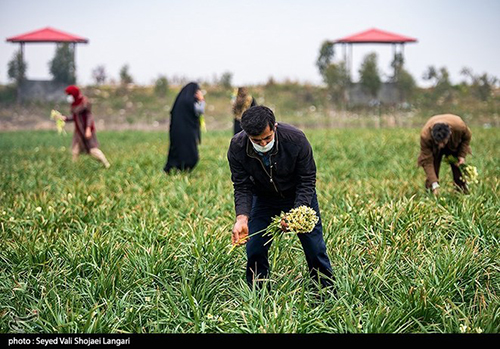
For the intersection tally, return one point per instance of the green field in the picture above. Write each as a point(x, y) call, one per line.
point(130, 250)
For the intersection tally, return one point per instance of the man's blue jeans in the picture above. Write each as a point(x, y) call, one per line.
point(263, 209)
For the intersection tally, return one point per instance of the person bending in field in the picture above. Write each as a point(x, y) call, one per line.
point(443, 135)
point(84, 137)
point(242, 102)
point(273, 170)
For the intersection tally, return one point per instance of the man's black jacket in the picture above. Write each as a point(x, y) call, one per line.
point(292, 170)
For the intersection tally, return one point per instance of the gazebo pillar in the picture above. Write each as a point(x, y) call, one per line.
point(21, 50)
point(350, 61)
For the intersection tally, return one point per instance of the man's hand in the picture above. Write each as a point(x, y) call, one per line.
point(240, 230)
point(284, 225)
point(435, 188)
point(88, 133)
point(461, 161)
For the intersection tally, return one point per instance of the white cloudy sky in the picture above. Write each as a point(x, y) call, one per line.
point(251, 39)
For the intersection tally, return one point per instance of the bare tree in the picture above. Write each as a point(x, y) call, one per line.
point(125, 77)
point(99, 75)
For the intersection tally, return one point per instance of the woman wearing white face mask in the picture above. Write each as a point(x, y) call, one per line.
point(84, 137)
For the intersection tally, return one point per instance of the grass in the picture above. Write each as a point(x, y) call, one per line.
point(130, 250)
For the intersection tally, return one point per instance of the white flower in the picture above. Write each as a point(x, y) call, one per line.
point(463, 328)
point(301, 219)
point(38, 209)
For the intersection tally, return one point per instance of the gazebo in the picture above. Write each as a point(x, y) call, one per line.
point(47, 35)
point(44, 89)
point(372, 36)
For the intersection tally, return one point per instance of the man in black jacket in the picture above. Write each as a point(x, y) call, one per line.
point(273, 170)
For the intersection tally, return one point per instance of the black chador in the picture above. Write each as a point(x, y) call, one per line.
point(185, 135)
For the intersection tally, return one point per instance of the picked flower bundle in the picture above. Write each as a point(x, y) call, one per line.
point(299, 220)
point(469, 172)
point(203, 124)
point(57, 116)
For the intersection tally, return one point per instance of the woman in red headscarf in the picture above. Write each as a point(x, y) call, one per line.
point(84, 137)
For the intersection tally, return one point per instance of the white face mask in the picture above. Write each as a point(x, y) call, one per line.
point(70, 99)
point(263, 149)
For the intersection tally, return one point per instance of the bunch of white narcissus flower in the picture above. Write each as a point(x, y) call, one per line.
point(299, 220)
point(57, 116)
point(469, 172)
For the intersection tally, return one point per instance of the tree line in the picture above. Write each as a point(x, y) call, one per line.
point(337, 78)
point(335, 75)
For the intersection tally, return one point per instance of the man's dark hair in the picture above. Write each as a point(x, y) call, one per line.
point(255, 120)
point(440, 132)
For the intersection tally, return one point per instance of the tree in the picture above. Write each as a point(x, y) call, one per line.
point(125, 77)
point(481, 85)
point(62, 66)
point(406, 85)
point(226, 80)
point(99, 74)
point(337, 80)
point(161, 86)
point(441, 81)
point(369, 75)
point(326, 54)
point(440, 78)
point(404, 81)
point(17, 68)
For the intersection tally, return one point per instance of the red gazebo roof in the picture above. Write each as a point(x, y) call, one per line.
point(48, 35)
point(375, 36)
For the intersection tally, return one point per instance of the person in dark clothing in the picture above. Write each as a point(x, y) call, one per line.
point(185, 135)
point(273, 170)
point(242, 102)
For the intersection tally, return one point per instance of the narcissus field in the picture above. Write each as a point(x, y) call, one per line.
point(131, 250)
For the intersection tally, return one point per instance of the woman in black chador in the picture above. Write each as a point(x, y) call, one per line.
point(185, 132)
